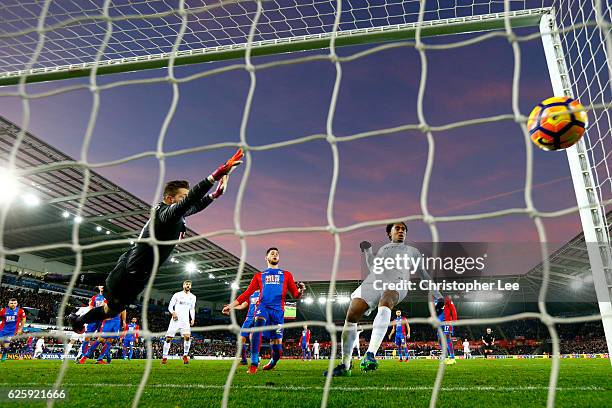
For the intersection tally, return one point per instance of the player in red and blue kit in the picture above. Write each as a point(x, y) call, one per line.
point(12, 322)
point(445, 309)
point(90, 328)
point(305, 343)
point(248, 323)
point(130, 337)
point(273, 284)
point(401, 328)
point(109, 330)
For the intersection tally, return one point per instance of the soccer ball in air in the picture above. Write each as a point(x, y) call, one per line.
point(557, 123)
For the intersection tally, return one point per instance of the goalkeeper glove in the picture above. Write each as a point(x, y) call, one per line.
point(227, 167)
point(221, 187)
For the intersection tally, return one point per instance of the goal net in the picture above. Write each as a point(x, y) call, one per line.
point(44, 40)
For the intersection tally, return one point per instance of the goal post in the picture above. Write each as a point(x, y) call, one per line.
point(592, 212)
point(359, 36)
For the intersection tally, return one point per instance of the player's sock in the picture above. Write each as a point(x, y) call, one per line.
point(449, 344)
point(105, 351)
point(131, 352)
point(243, 353)
point(256, 342)
point(407, 354)
point(303, 354)
point(277, 352)
point(84, 347)
point(124, 352)
point(381, 323)
point(90, 349)
point(349, 334)
point(401, 354)
point(186, 345)
point(68, 349)
point(166, 349)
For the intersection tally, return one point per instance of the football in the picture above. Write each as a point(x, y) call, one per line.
point(557, 123)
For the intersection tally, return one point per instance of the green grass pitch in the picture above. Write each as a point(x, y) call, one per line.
point(294, 383)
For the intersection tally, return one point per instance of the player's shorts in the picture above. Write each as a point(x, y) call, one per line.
point(371, 289)
point(446, 329)
point(248, 324)
point(122, 286)
point(304, 346)
point(273, 317)
point(400, 340)
point(128, 342)
point(6, 336)
point(181, 326)
point(110, 326)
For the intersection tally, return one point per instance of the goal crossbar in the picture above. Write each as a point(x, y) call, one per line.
point(397, 32)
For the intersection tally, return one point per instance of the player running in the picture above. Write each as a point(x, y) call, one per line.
point(134, 267)
point(273, 284)
point(371, 294)
point(12, 322)
point(401, 329)
point(182, 308)
point(38, 349)
point(130, 337)
point(248, 323)
point(305, 343)
point(445, 309)
point(97, 300)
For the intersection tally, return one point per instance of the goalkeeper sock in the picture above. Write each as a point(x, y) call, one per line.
point(349, 334)
point(166, 349)
point(186, 345)
point(381, 323)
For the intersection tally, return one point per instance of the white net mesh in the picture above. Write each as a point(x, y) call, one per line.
point(43, 34)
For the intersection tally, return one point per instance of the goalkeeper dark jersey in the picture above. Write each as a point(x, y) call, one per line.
point(488, 338)
point(169, 225)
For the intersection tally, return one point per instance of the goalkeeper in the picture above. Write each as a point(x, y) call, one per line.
point(134, 267)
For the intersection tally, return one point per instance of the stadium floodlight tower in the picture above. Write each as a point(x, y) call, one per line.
point(44, 40)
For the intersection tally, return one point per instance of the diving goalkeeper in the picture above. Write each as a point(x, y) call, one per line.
point(134, 267)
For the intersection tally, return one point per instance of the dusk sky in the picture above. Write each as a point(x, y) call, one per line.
point(477, 169)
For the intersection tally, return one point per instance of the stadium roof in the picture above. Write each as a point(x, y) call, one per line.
point(109, 213)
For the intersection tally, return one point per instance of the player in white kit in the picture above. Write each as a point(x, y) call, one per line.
point(376, 291)
point(38, 349)
point(467, 353)
point(182, 308)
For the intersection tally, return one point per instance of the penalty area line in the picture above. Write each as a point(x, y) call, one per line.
point(310, 388)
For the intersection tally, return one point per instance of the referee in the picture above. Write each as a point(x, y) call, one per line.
point(133, 270)
point(488, 340)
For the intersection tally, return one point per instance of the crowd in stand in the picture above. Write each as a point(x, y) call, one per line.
point(515, 337)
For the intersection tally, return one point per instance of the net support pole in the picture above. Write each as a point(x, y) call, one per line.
point(591, 211)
